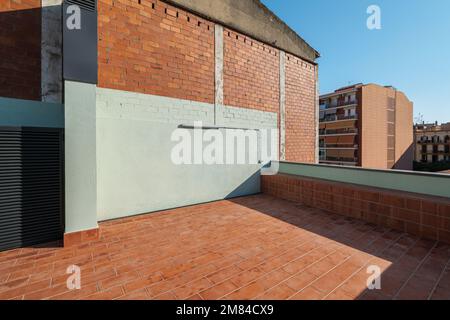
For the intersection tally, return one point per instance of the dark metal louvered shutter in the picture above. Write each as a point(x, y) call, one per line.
point(90, 5)
point(31, 186)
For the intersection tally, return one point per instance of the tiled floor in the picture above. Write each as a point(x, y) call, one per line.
point(249, 248)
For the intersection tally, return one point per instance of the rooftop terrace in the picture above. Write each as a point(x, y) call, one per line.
point(256, 247)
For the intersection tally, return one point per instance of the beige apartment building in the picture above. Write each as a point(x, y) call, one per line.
point(432, 142)
point(366, 125)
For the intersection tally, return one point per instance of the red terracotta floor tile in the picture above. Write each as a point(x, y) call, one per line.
point(254, 247)
point(219, 290)
point(109, 294)
point(310, 293)
point(136, 295)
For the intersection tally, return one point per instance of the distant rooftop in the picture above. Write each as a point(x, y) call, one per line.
point(433, 126)
point(354, 87)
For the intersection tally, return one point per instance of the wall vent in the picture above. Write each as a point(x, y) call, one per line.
point(31, 186)
point(90, 5)
point(80, 64)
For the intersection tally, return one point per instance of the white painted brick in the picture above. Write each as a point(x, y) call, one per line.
point(116, 104)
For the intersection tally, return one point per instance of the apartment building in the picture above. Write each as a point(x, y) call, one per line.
point(369, 126)
point(91, 92)
point(432, 142)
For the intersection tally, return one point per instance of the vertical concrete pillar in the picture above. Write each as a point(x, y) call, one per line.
point(282, 105)
point(51, 51)
point(80, 156)
point(218, 52)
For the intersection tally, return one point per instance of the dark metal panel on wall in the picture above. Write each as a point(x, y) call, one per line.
point(80, 40)
point(31, 186)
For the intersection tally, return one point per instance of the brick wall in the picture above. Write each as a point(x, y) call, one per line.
point(387, 130)
point(374, 131)
point(20, 49)
point(155, 48)
point(251, 73)
point(424, 216)
point(300, 110)
point(404, 133)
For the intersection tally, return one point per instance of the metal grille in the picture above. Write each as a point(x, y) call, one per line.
point(31, 186)
point(90, 5)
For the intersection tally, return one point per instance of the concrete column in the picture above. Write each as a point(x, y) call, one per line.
point(218, 52)
point(282, 105)
point(80, 156)
point(51, 51)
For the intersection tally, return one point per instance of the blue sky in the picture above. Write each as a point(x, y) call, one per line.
point(410, 52)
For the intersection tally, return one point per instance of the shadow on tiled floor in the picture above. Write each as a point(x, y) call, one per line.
point(248, 248)
point(411, 268)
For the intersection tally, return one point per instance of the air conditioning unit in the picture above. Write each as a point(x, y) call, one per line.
point(80, 40)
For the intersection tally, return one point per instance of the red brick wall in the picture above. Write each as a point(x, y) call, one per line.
point(374, 132)
point(251, 73)
point(156, 49)
point(404, 133)
point(300, 110)
point(20, 49)
point(425, 216)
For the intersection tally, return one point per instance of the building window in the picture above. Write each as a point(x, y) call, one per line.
point(435, 158)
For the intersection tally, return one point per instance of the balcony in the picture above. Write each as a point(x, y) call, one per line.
point(345, 131)
point(339, 160)
point(311, 234)
point(429, 141)
point(338, 146)
point(340, 104)
point(333, 118)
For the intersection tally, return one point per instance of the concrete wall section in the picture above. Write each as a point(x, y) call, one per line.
point(51, 51)
point(254, 19)
point(80, 154)
point(282, 105)
point(28, 113)
point(135, 172)
point(218, 74)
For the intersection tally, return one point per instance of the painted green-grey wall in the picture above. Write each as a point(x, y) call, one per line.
point(80, 155)
point(27, 113)
point(422, 183)
point(136, 174)
point(134, 167)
